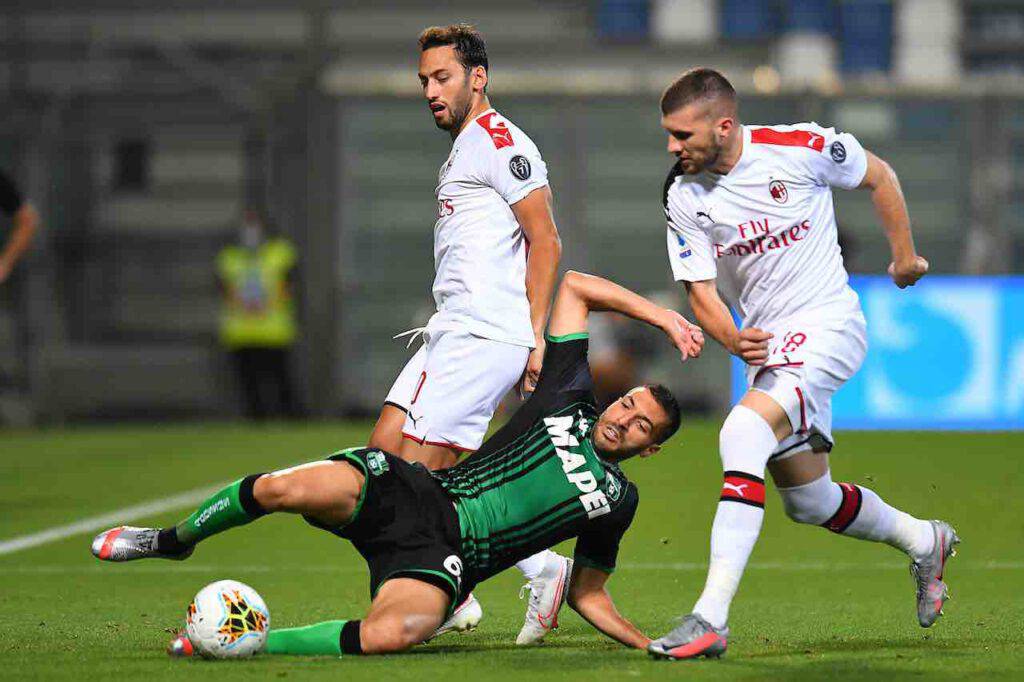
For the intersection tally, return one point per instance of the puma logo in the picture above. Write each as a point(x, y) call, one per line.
point(738, 489)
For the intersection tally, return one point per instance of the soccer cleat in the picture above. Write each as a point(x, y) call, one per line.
point(692, 638)
point(547, 594)
point(181, 646)
point(128, 543)
point(932, 593)
point(465, 618)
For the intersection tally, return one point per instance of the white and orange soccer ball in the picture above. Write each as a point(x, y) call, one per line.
point(227, 619)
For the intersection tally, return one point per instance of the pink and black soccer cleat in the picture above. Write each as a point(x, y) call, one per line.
point(932, 593)
point(128, 543)
point(181, 647)
point(694, 637)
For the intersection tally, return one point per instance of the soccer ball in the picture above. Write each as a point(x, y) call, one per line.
point(227, 619)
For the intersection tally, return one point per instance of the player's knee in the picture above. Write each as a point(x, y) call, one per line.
point(389, 634)
point(812, 503)
point(278, 492)
point(746, 441)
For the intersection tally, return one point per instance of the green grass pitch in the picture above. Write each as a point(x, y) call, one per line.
point(812, 605)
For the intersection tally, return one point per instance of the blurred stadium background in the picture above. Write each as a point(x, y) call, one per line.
point(143, 130)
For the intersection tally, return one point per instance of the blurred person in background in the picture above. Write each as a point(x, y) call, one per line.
point(257, 324)
point(25, 224)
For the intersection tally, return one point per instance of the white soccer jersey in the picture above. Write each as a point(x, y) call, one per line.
point(767, 229)
point(479, 247)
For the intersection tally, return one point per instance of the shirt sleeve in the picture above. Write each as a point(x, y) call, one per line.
point(598, 545)
point(689, 247)
point(10, 198)
point(842, 161)
point(515, 170)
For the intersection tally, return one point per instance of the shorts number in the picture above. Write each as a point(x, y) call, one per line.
point(453, 565)
point(792, 341)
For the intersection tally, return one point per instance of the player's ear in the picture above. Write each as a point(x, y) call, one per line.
point(650, 450)
point(479, 78)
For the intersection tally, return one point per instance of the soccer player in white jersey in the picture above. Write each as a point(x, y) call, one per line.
point(496, 254)
point(750, 214)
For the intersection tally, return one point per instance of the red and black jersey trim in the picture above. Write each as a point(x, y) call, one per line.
point(848, 510)
point(396, 405)
point(739, 486)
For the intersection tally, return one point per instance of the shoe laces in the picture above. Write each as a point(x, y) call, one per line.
point(534, 601)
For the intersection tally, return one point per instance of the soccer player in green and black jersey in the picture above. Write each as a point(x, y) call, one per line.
point(550, 474)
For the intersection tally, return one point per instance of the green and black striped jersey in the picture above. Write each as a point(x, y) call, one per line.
point(538, 481)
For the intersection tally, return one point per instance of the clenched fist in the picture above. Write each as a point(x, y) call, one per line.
point(906, 273)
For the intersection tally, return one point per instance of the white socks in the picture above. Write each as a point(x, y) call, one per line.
point(745, 444)
point(858, 512)
point(533, 565)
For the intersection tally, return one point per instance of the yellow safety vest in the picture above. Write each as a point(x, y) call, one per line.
point(258, 310)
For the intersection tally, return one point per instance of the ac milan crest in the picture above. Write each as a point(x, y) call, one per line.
point(779, 191)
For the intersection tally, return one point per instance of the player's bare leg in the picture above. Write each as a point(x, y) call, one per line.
point(810, 496)
point(327, 491)
point(404, 613)
point(387, 432)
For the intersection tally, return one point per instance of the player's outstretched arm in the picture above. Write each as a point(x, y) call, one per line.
point(750, 344)
point(533, 213)
point(886, 194)
point(579, 294)
point(589, 598)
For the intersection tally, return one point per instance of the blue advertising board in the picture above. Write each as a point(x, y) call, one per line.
point(947, 353)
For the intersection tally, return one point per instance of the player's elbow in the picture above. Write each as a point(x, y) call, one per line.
point(547, 242)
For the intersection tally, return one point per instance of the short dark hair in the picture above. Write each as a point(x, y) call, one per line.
point(663, 396)
point(467, 41)
point(695, 85)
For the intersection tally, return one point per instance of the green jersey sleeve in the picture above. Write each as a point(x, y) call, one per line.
point(598, 545)
point(564, 379)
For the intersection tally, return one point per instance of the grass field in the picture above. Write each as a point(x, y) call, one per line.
point(812, 605)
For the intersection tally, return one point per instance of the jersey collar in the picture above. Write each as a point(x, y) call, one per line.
point(470, 124)
point(745, 154)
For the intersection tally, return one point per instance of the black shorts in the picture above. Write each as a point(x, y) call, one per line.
point(405, 525)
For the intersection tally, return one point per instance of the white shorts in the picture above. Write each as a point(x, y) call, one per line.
point(806, 365)
point(451, 387)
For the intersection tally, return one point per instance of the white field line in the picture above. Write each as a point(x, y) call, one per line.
point(103, 521)
point(187, 567)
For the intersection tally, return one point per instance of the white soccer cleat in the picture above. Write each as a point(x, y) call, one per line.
point(465, 618)
point(547, 594)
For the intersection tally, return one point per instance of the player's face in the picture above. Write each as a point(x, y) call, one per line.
point(630, 426)
point(447, 86)
point(695, 136)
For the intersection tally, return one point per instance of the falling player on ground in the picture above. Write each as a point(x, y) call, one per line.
point(496, 253)
point(550, 474)
point(750, 214)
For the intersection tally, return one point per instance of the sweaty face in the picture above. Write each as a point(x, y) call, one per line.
point(447, 86)
point(694, 136)
point(630, 425)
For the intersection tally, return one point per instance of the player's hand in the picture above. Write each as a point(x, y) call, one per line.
point(906, 273)
point(533, 366)
point(751, 346)
point(686, 336)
